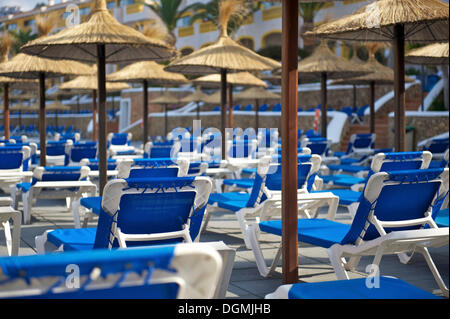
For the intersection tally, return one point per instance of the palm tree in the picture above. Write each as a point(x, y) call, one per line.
point(308, 12)
point(210, 12)
point(169, 12)
point(20, 38)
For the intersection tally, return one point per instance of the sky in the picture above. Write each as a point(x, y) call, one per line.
point(24, 4)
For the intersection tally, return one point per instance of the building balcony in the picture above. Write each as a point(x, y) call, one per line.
point(185, 31)
point(135, 8)
point(207, 27)
point(271, 13)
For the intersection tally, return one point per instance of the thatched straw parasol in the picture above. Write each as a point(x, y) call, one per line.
point(101, 40)
point(166, 99)
point(324, 64)
point(30, 67)
point(397, 21)
point(233, 79)
point(147, 72)
point(89, 83)
point(197, 97)
point(432, 54)
point(379, 75)
point(7, 82)
point(257, 94)
point(222, 56)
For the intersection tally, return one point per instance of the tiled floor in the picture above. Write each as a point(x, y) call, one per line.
point(246, 281)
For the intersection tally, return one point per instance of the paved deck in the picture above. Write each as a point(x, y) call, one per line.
point(245, 280)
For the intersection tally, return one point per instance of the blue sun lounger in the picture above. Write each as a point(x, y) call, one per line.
point(383, 162)
point(139, 211)
point(393, 217)
point(130, 168)
point(159, 272)
point(361, 288)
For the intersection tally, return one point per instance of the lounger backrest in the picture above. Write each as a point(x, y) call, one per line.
point(317, 145)
point(60, 173)
point(361, 141)
point(437, 145)
point(152, 205)
point(93, 163)
point(241, 148)
point(119, 138)
point(145, 167)
point(78, 151)
point(56, 148)
point(396, 196)
point(162, 150)
point(14, 157)
point(165, 272)
point(257, 193)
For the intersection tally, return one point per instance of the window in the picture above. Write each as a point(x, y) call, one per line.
point(28, 23)
point(84, 11)
point(184, 22)
point(111, 5)
point(126, 2)
point(12, 26)
point(125, 114)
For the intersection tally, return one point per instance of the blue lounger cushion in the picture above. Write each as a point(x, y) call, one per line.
point(93, 203)
point(242, 183)
point(346, 196)
point(232, 201)
point(320, 232)
point(349, 168)
point(389, 288)
point(342, 180)
point(73, 239)
point(442, 219)
point(24, 187)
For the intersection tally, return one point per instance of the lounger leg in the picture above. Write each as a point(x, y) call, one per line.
point(14, 196)
point(259, 257)
point(27, 204)
point(8, 237)
point(434, 270)
point(76, 213)
point(335, 255)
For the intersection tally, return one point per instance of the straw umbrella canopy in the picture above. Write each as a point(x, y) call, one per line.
point(432, 54)
point(379, 75)
point(31, 67)
point(101, 40)
point(396, 21)
point(89, 83)
point(197, 97)
point(147, 72)
point(222, 56)
point(166, 99)
point(233, 79)
point(257, 94)
point(8, 82)
point(324, 64)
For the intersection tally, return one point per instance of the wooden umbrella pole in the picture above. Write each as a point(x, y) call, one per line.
point(102, 147)
point(145, 111)
point(289, 124)
point(6, 110)
point(230, 106)
point(323, 88)
point(399, 87)
point(94, 115)
point(256, 116)
point(166, 122)
point(42, 118)
point(198, 110)
point(223, 105)
point(372, 107)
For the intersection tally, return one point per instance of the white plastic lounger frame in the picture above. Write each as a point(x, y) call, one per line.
point(12, 239)
point(111, 199)
point(56, 190)
point(112, 194)
point(395, 242)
